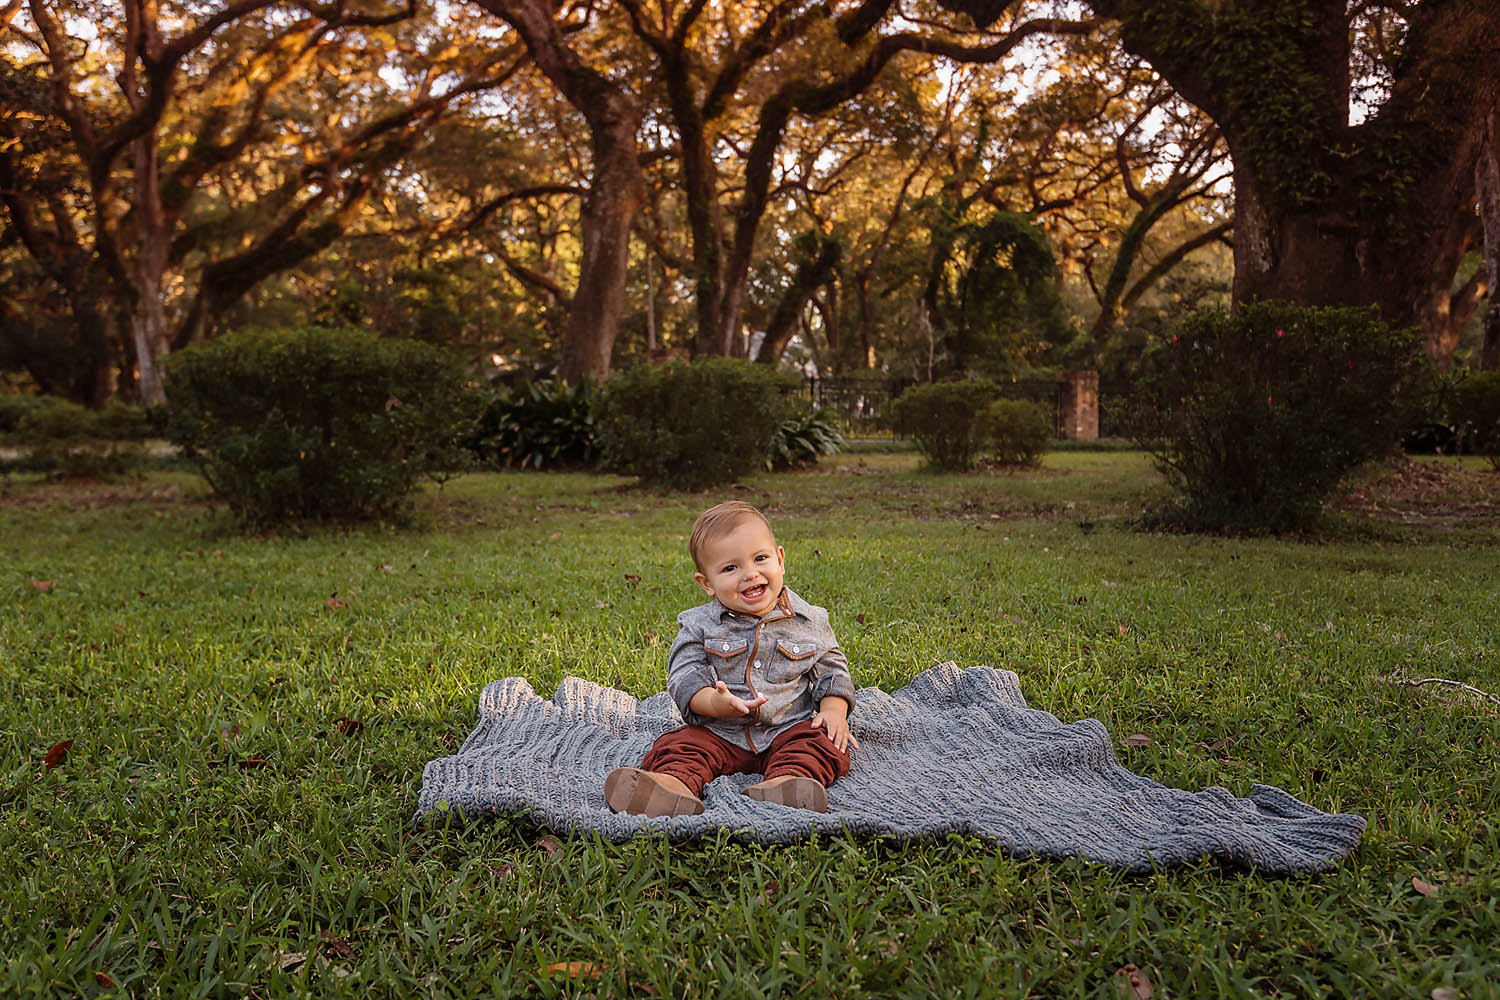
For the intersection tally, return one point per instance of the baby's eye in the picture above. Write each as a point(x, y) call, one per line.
point(762, 557)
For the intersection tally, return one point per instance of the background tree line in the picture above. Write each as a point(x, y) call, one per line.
point(916, 188)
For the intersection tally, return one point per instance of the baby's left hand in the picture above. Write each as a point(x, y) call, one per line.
point(835, 722)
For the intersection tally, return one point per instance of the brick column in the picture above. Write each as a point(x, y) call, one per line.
point(1078, 406)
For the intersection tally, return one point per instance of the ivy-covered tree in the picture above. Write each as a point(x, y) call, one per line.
point(1373, 207)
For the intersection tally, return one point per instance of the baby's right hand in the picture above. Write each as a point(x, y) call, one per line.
point(733, 704)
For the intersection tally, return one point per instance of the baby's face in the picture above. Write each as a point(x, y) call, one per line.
point(744, 568)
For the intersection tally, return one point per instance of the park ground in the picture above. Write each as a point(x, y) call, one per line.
point(249, 715)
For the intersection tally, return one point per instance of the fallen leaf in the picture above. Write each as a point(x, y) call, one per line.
point(603, 605)
point(552, 846)
point(348, 726)
point(861, 617)
point(1132, 982)
point(1425, 888)
point(338, 945)
point(291, 961)
point(105, 980)
point(53, 758)
point(388, 568)
point(1444, 993)
point(335, 603)
point(1137, 740)
point(42, 585)
point(555, 534)
point(575, 970)
point(1122, 628)
point(889, 949)
point(632, 578)
point(252, 762)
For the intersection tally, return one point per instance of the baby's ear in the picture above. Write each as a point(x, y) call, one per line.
point(702, 581)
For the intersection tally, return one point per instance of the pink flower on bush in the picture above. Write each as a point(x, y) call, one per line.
point(1281, 333)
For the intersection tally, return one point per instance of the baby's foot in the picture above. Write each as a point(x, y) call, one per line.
point(792, 790)
point(648, 793)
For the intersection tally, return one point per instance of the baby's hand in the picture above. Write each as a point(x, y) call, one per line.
point(732, 704)
point(835, 722)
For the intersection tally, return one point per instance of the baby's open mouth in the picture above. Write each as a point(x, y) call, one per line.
point(754, 593)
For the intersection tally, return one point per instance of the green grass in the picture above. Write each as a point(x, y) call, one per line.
point(173, 650)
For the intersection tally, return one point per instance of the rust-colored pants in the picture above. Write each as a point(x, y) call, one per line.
point(695, 756)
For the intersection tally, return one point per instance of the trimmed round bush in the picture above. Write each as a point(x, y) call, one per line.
point(1255, 414)
point(691, 426)
point(316, 423)
point(943, 418)
point(1476, 405)
point(1017, 431)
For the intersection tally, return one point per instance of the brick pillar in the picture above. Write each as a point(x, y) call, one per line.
point(1078, 406)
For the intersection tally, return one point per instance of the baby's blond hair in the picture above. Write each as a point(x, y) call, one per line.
point(718, 521)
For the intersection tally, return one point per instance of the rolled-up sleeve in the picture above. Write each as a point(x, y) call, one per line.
point(688, 671)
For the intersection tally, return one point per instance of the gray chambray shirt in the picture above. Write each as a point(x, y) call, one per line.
point(790, 656)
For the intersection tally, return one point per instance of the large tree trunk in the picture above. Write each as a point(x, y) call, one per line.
point(1327, 213)
point(616, 192)
point(1488, 182)
point(149, 335)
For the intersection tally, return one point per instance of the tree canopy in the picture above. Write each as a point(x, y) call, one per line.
point(916, 188)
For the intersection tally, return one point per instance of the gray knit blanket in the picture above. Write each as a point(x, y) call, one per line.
point(955, 751)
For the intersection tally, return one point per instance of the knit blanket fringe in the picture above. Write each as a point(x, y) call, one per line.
point(955, 751)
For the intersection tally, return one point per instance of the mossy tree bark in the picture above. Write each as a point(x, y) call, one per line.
point(1327, 212)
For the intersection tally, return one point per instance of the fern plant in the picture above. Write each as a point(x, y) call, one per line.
point(802, 439)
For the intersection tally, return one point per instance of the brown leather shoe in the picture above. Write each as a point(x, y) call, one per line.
point(792, 790)
point(647, 793)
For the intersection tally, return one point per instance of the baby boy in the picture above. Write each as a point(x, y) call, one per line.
point(759, 677)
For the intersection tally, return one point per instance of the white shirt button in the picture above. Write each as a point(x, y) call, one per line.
point(757, 664)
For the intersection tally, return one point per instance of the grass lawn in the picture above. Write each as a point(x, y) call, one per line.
point(220, 828)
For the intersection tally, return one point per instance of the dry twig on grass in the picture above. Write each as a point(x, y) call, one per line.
point(1443, 680)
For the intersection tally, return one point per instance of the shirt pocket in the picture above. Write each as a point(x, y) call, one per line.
point(792, 659)
point(726, 656)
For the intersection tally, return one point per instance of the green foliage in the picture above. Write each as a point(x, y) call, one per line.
point(943, 418)
point(803, 438)
point(1017, 431)
point(545, 423)
point(59, 437)
point(692, 426)
point(1476, 404)
point(317, 423)
point(15, 407)
point(1255, 415)
point(995, 296)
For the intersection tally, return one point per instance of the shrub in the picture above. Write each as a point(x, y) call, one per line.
point(61, 438)
point(942, 418)
point(1476, 405)
point(1254, 415)
point(537, 424)
point(317, 423)
point(692, 426)
point(802, 438)
point(14, 407)
point(1017, 430)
